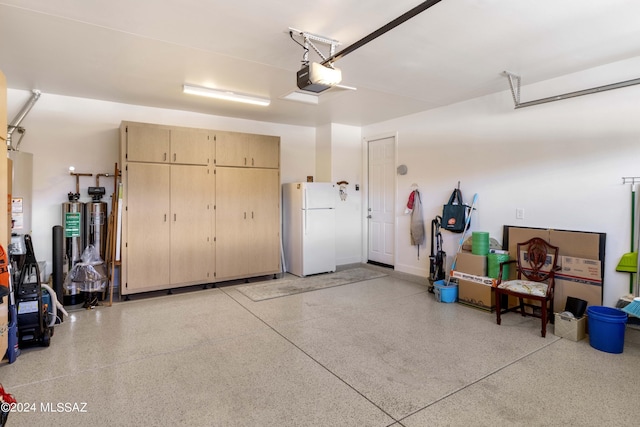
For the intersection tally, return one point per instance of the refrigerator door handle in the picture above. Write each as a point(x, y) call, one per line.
point(305, 199)
point(304, 220)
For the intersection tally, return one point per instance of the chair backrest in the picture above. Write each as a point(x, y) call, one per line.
point(537, 260)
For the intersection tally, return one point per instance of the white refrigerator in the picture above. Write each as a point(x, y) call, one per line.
point(308, 227)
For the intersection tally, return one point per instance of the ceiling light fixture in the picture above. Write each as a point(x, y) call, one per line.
point(306, 97)
point(226, 95)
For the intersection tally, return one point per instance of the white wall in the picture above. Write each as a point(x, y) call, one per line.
point(562, 162)
point(323, 153)
point(346, 165)
point(64, 131)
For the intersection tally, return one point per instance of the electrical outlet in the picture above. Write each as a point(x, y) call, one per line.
point(519, 213)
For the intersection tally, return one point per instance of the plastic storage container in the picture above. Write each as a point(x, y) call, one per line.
point(606, 328)
point(445, 293)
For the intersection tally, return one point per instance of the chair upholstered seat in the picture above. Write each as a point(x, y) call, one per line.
point(525, 287)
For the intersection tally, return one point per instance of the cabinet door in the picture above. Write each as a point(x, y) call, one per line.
point(264, 198)
point(232, 149)
point(190, 224)
point(147, 234)
point(190, 146)
point(147, 143)
point(232, 233)
point(264, 151)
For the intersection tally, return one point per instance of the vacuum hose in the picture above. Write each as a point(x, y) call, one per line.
point(55, 303)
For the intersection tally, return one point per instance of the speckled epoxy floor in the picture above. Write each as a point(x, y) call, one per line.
point(376, 353)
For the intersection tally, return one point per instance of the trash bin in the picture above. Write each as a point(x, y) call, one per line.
point(606, 328)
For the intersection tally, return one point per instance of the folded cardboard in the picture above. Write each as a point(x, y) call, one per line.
point(581, 270)
point(569, 327)
point(575, 244)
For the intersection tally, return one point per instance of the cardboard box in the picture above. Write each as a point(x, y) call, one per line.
point(4, 326)
point(476, 295)
point(466, 262)
point(567, 327)
point(472, 290)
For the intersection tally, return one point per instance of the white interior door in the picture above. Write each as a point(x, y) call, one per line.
point(381, 203)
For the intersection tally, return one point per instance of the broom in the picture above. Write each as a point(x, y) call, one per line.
point(633, 308)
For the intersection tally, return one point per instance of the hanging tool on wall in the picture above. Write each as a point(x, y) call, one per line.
point(629, 261)
point(414, 208)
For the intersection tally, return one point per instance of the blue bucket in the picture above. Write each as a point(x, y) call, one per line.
point(445, 293)
point(606, 328)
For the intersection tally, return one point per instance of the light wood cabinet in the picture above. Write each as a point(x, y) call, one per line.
point(190, 224)
point(247, 150)
point(247, 210)
point(146, 236)
point(185, 223)
point(167, 237)
point(165, 144)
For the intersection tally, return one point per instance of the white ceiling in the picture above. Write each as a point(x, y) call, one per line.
point(142, 51)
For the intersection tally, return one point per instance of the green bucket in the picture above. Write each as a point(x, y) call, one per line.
point(493, 266)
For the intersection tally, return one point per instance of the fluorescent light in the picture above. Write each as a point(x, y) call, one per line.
point(226, 95)
point(306, 97)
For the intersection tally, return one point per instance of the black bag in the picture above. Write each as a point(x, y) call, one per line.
point(454, 213)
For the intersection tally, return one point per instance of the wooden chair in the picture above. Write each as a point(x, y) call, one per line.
point(536, 265)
